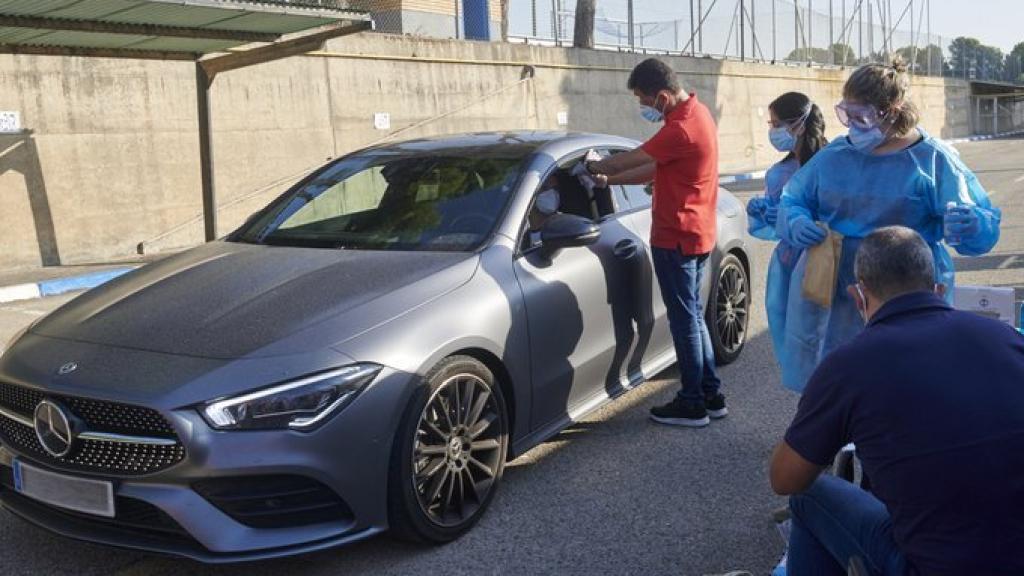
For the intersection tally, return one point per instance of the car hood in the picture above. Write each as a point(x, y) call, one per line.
point(226, 300)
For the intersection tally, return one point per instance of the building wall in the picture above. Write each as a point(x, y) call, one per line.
point(111, 159)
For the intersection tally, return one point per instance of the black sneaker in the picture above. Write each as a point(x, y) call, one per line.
point(715, 406)
point(678, 413)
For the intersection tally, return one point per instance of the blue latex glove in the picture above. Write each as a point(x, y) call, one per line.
point(961, 223)
point(806, 233)
point(771, 214)
point(756, 206)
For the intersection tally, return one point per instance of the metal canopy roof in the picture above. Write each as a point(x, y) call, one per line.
point(180, 30)
point(169, 29)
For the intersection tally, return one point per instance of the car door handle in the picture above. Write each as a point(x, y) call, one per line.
point(625, 249)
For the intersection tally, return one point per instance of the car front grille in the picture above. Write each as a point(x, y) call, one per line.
point(96, 456)
point(274, 501)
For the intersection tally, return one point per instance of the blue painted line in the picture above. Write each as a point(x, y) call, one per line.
point(80, 282)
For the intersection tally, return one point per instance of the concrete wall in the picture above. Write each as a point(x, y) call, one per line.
point(112, 157)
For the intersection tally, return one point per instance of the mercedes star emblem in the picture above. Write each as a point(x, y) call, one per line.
point(67, 368)
point(54, 429)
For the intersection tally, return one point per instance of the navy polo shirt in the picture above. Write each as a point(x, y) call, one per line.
point(934, 400)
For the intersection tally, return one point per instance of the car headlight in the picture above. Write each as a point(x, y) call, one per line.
point(298, 405)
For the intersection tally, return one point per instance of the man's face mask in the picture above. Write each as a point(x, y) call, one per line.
point(652, 113)
point(547, 202)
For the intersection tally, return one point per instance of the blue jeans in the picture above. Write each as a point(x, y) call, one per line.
point(835, 520)
point(679, 278)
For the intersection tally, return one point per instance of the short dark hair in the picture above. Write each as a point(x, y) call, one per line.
point(652, 76)
point(893, 261)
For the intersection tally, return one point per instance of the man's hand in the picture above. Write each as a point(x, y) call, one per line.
point(790, 473)
point(621, 162)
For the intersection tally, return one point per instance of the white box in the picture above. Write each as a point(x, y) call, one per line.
point(988, 301)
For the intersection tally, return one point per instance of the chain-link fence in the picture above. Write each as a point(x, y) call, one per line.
point(821, 32)
point(818, 32)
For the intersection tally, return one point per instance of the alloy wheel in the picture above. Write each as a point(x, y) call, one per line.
point(732, 306)
point(457, 450)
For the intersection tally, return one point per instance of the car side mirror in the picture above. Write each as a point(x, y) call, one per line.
point(567, 231)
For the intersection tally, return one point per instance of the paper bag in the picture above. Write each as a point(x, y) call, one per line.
point(822, 270)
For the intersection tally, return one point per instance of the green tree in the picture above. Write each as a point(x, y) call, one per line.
point(837, 54)
point(918, 60)
point(970, 58)
point(1014, 65)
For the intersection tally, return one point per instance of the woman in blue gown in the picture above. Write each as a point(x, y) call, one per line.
point(886, 171)
point(798, 129)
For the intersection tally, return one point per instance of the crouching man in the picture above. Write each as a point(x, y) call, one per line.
point(933, 398)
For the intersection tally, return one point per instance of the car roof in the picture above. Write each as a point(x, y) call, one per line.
point(523, 143)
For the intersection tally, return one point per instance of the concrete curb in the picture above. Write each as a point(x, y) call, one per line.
point(980, 138)
point(60, 285)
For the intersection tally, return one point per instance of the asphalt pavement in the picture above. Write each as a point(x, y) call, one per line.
point(615, 494)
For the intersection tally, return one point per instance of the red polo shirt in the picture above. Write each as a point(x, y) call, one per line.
point(686, 180)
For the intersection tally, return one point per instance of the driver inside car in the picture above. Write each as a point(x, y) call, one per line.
point(545, 205)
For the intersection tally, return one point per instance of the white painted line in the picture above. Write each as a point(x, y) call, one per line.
point(1019, 179)
point(19, 292)
point(1007, 263)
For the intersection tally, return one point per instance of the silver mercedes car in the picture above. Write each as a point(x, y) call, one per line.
point(363, 354)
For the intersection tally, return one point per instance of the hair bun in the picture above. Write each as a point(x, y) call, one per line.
point(899, 64)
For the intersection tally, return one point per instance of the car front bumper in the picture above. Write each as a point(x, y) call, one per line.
point(345, 461)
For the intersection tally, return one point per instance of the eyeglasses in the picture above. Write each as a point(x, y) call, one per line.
point(863, 115)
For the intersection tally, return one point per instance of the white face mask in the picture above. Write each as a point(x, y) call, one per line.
point(547, 201)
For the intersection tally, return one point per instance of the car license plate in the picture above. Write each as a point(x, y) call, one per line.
point(78, 494)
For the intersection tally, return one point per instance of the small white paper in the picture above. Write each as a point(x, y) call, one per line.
point(382, 121)
point(10, 122)
point(563, 118)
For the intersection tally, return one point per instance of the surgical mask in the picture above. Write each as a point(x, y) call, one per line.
point(866, 139)
point(651, 114)
point(782, 139)
point(547, 202)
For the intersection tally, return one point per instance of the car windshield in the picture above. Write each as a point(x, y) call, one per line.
point(390, 199)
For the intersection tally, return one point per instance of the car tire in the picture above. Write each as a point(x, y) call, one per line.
point(449, 453)
point(728, 309)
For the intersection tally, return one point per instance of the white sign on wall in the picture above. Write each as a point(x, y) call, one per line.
point(563, 118)
point(382, 121)
point(10, 122)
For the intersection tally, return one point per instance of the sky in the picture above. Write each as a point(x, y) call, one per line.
point(998, 23)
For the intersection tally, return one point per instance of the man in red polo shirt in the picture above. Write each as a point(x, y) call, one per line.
point(682, 159)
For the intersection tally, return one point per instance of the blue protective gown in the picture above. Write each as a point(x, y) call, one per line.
point(855, 193)
point(784, 257)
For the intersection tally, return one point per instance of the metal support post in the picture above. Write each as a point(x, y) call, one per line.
point(810, 29)
point(692, 31)
point(203, 84)
point(743, 34)
point(700, 27)
point(928, 5)
point(831, 34)
point(630, 24)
